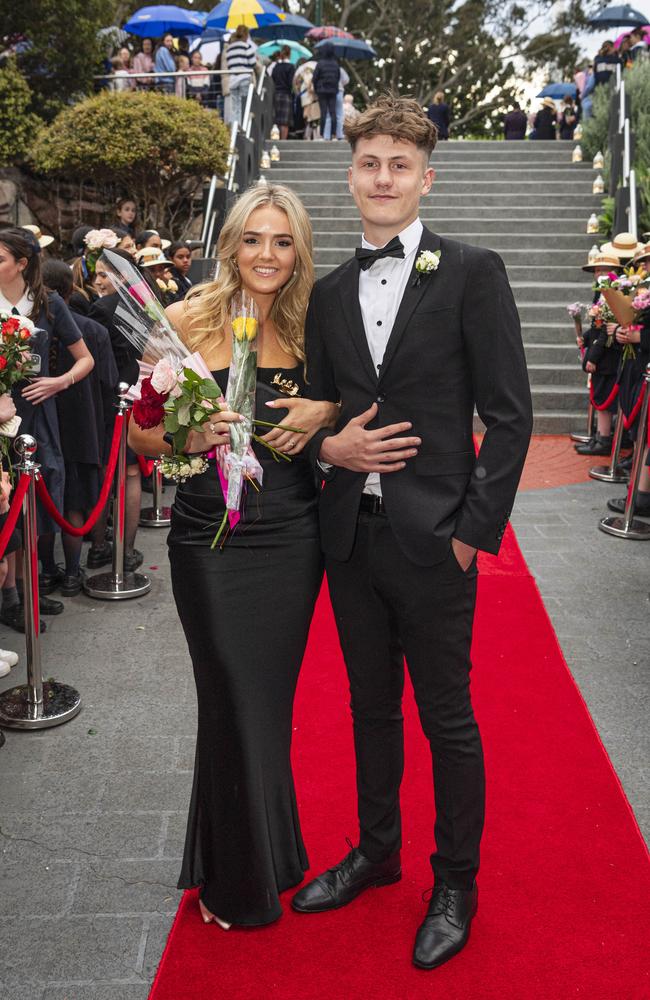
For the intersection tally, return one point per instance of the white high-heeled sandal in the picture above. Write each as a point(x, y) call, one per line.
point(209, 918)
point(8, 656)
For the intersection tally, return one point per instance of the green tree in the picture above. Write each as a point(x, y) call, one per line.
point(155, 147)
point(64, 51)
point(17, 123)
point(477, 51)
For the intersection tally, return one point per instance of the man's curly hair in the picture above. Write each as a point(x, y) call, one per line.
point(400, 117)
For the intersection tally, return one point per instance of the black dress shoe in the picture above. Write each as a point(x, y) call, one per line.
point(100, 556)
point(46, 606)
point(445, 929)
point(597, 446)
point(48, 582)
point(132, 560)
point(14, 617)
point(71, 585)
point(642, 506)
point(339, 885)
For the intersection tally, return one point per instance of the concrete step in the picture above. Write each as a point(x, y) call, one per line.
point(558, 331)
point(341, 154)
point(285, 173)
point(544, 316)
point(334, 187)
point(479, 200)
point(556, 293)
point(529, 284)
point(568, 375)
point(553, 354)
point(559, 422)
point(547, 242)
point(559, 398)
point(535, 264)
point(538, 215)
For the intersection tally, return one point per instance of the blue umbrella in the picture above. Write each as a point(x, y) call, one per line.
point(298, 51)
point(558, 90)
point(618, 16)
point(164, 19)
point(294, 28)
point(348, 48)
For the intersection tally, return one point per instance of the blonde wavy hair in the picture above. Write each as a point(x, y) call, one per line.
point(208, 304)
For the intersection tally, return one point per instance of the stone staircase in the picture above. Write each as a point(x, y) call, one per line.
point(526, 200)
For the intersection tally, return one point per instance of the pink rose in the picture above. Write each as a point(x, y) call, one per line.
point(164, 378)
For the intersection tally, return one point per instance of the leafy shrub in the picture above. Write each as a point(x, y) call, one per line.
point(637, 85)
point(595, 129)
point(17, 124)
point(155, 147)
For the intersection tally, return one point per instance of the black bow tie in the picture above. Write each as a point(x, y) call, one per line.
point(367, 258)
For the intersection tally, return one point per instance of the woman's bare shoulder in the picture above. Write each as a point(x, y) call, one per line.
point(180, 316)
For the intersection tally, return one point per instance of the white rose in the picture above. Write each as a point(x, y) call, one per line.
point(101, 239)
point(164, 377)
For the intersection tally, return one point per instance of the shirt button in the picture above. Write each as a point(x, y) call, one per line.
point(383, 281)
point(381, 398)
point(378, 322)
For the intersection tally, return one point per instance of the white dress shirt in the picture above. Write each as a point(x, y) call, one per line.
point(381, 288)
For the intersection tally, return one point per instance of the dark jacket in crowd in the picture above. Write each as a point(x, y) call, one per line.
point(327, 74)
point(604, 66)
point(283, 73)
point(439, 115)
point(514, 125)
point(544, 124)
point(567, 128)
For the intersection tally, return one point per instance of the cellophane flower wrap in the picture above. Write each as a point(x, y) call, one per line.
point(240, 397)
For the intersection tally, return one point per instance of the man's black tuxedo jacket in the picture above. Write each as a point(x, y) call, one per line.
point(456, 343)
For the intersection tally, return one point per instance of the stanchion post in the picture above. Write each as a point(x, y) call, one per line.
point(612, 473)
point(626, 526)
point(585, 438)
point(35, 705)
point(156, 516)
point(119, 585)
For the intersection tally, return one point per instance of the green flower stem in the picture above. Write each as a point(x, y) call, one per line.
point(274, 451)
point(219, 533)
point(283, 427)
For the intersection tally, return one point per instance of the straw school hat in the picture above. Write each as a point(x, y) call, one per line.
point(150, 256)
point(548, 102)
point(624, 245)
point(43, 241)
point(603, 260)
point(644, 255)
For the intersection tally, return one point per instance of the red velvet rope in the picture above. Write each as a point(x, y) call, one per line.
point(146, 465)
point(628, 421)
point(48, 503)
point(14, 511)
point(608, 402)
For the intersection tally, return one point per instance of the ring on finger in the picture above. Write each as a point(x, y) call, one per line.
point(213, 428)
point(290, 444)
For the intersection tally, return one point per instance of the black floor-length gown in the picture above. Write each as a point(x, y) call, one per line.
point(246, 610)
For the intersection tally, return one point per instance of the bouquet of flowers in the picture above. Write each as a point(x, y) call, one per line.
point(178, 389)
point(16, 363)
point(619, 289)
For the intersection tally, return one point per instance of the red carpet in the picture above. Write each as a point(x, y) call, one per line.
point(564, 884)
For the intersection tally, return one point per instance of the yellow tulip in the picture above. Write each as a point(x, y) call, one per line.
point(245, 327)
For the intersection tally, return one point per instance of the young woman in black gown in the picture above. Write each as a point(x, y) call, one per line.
point(245, 630)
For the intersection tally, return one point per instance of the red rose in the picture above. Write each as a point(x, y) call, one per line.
point(148, 411)
point(25, 334)
point(3, 362)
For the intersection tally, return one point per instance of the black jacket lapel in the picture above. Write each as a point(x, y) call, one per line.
point(348, 288)
point(412, 295)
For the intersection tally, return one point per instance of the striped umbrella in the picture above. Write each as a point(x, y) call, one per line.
point(252, 13)
point(327, 31)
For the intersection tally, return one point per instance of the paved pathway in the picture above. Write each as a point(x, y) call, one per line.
point(92, 814)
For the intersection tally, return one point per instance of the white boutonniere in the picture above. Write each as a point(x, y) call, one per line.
point(428, 261)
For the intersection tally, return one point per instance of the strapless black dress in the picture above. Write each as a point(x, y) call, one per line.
point(246, 610)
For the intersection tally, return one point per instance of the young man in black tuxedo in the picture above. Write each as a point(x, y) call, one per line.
point(410, 335)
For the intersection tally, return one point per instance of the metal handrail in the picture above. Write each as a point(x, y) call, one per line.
point(621, 106)
point(626, 150)
point(632, 223)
